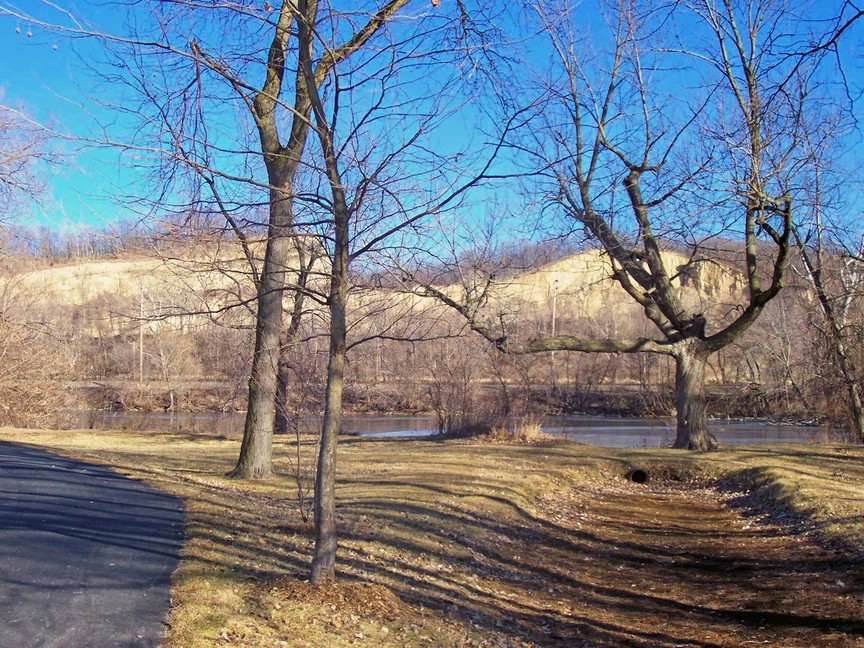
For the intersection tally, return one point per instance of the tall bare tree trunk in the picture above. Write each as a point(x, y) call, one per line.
point(324, 558)
point(692, 423)
point(255, 461)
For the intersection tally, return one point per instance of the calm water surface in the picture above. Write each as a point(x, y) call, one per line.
point(600, 431)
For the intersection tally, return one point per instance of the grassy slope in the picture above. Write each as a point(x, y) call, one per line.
point(418, 522)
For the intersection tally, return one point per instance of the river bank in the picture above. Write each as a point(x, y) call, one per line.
point(220, 399)
point(599, 431)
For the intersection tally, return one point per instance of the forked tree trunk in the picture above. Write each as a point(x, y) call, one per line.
point(692, 421)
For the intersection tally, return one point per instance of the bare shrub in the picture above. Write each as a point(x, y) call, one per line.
point(527, 430)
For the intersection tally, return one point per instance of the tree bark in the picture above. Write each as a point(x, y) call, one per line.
point(857, 404)
point(853, 387)
point(255, 461)
point(324, 558)
point(692, 423)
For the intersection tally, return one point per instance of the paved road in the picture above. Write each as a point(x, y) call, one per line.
point(86, 555)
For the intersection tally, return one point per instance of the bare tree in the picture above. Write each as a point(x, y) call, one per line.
point(37, 353)
point(374, 154)
point(831, 250)
point(708, 172)
point(371, 91)
point(182, 88)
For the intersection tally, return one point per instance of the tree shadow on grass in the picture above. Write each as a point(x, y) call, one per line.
point(616, 570)
point(559, 586)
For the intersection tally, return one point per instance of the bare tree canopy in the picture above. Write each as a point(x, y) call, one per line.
point(665, 128)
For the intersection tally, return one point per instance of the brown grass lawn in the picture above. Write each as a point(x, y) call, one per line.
point(482, 544)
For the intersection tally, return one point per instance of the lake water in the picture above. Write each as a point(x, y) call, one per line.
point(600, 431)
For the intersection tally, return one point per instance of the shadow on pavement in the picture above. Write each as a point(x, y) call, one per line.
point(86, 555)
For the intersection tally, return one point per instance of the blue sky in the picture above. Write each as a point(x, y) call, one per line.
point(41, 74)
point(44, 74)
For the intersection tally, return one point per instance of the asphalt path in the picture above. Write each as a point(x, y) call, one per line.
point(86, 555)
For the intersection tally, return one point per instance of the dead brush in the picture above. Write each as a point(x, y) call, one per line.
point(527, 431)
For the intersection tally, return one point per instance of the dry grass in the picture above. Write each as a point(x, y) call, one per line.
point(527, 431)
point(441, 544)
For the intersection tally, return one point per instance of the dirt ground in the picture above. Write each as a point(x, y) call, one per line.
point(670, 564)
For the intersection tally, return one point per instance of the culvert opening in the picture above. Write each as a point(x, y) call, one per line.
point(638, 476)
